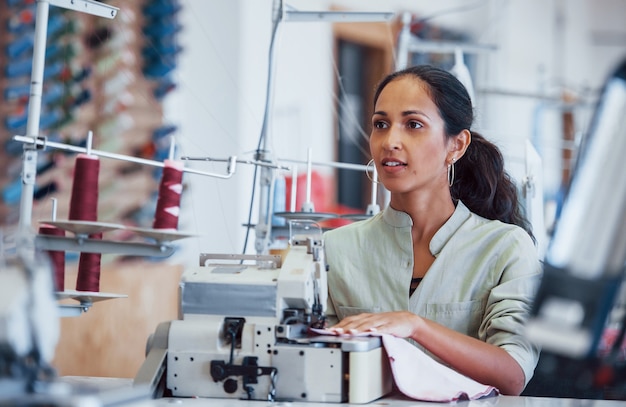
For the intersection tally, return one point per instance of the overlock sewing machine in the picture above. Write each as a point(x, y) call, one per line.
point(244, 333)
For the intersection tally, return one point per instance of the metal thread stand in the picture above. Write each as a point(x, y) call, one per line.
point(285, 13)
point(29, 157)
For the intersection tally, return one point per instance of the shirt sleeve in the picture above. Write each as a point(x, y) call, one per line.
point(509, 302)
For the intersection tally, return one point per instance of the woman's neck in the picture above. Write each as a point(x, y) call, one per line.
point(428, 213)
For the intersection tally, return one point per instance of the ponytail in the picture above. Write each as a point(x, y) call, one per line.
point(485, 187)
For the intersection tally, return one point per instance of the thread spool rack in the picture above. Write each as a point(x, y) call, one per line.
point(81, 238)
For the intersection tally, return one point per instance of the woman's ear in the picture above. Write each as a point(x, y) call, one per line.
point(458, 145)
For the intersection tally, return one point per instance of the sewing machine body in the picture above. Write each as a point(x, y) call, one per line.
point(243, 332)
point(320, 368)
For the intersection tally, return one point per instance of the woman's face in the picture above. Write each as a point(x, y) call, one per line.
point(408, 142)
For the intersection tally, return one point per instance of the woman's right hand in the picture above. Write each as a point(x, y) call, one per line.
point(402, 324)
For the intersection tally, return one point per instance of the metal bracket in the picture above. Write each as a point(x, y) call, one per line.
point(82, 244)
point(274, 259)
point(88, 7)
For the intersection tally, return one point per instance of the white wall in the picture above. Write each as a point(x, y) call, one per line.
point(544, 47)
point(220, 105)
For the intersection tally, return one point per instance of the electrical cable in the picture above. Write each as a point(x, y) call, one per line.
point(271, 395)
point(268, 98)
point(233, 339)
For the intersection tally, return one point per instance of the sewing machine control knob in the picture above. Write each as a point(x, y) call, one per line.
point(230, 386)
point(218, 370)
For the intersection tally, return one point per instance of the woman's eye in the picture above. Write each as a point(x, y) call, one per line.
point(380, 125)
point(414, 125)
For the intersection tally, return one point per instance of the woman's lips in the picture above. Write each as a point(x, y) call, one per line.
point(392, 165)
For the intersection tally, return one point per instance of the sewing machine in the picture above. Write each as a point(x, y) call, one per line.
point(243, 332)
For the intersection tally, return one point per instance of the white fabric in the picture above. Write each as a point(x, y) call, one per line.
point(420, 377)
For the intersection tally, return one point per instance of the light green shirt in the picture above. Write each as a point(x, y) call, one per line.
point(482, 281)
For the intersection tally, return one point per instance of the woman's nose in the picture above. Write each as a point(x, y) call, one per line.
point(392, 140)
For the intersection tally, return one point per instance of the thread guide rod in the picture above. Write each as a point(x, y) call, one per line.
point(99, 153)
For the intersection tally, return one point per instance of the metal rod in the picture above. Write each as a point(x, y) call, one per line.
point(449, 47)
point(79, 244)
point(29, 158)
point(588, 101)
point(290, 14)
point(172, 151)
point(308, 175)
point(89, 142)
point(54, 209)
point(345, 166)
point(374, 185)
point(67, 147)
point(252, 162)
point(294, 188)
point(404, 37)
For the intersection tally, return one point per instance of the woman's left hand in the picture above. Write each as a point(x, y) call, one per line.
point(402, 324)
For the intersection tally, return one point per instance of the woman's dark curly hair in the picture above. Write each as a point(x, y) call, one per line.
point(480, 179)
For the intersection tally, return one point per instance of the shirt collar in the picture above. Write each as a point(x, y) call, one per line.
point(395, 218)
point(459, 216)
point(400, 219)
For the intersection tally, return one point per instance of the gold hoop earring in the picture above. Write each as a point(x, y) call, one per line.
point(367, 171)
point(451, 172)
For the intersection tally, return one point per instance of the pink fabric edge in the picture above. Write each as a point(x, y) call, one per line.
point(450, 396)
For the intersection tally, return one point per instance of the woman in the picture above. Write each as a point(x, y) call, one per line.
point(448, 264)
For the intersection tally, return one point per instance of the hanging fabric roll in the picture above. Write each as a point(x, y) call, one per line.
point(57, 257)
point(84, 199)
point(168, 202)
point(88, 278)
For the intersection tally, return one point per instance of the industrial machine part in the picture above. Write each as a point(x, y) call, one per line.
point(579, 305)
point(243, 333)
point(29, 327)
point(29, 333)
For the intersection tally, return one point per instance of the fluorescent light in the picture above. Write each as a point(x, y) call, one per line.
point(290, 14)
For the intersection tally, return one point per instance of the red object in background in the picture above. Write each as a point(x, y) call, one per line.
point(88, 278)
point(84, 198)
point(168, 202)
point(321, 192)
point(607, 343)
point(57, 258)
